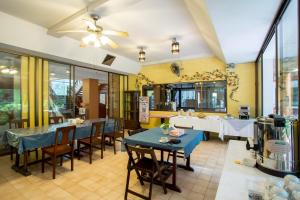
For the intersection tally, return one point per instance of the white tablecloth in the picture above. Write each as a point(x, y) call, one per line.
point(231, 127)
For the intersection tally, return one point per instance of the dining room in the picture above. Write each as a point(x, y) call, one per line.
point(140, 99)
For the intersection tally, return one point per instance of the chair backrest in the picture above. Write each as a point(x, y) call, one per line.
point(63, 136)
point(133, 132)
point(140, 151)
point(56, 120)
point(97, 129)
point(184, 127)
point(119, 124)
point(18, 123)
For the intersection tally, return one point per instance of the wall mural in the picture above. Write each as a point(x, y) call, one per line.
point(231, 78)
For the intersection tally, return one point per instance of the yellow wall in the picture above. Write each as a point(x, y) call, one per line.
point(161, 73)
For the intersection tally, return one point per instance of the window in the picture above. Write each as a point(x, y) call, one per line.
point(208, 96)
point(259, 86)
point(269, 78)
point(10, 95)
point(277, 65)
point(288, 62)
point(60, 90)
point(211, 96)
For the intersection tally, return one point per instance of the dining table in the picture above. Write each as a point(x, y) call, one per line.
point(31, 138)
point(151, 138)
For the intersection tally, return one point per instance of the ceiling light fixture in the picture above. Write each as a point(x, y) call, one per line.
point(5, 71)
point(142, 55)
point(52, 74)
point(175, 46)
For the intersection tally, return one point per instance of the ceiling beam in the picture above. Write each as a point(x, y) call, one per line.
point(90, 7)
point(198, 10)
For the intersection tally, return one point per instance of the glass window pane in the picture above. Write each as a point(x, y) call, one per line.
point(259, 87)
point(188, 98)
point(82, 99)
point(211, 96)
point(269, 78)
point(288, 61)
point(60, 90)
point(10, 95)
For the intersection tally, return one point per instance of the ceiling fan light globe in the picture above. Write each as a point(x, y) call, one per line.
point(104, 40)
point(97, 44)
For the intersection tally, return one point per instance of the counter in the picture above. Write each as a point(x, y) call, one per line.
point(234, 178)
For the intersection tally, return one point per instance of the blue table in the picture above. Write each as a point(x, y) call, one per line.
point(26, 139)
point(151, 137)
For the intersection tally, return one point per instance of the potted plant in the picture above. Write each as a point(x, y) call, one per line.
point(7, 112)
point(165, 127)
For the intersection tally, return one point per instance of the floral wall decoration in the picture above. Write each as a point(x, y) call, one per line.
point(231, 78)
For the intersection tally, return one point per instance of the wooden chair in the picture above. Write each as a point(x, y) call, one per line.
point(56, 120)
point(118, 132)
point(15, 123)
point(180, 154)
point(63, 145)
point(146, 166)
point(96, 138)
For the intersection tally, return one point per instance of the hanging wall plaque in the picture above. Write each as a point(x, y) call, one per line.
point(144, 110)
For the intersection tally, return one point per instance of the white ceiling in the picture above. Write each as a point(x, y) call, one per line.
point(240, 26)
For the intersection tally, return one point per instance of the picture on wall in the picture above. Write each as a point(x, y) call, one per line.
point(144, 109)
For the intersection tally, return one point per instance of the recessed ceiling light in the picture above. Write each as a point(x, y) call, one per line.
point(2, 66)
point(5, 71)
point(52, 74)
point(68, 72)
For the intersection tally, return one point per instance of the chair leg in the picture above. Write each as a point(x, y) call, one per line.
point(162, 182)
point(11, 153)
point(150, 189)
point(102, 146)
point(61, 160)
point(127, 184)
point(53, 166)
point(78, 149)
point(36, 154)
point(72, 160)
point(114, 140)
point(43, 162)
point(90, 153)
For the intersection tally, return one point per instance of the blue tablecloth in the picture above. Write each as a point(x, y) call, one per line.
point(30, 138)
point(151, 137)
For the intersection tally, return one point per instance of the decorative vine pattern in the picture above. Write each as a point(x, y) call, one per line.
point(231, 78)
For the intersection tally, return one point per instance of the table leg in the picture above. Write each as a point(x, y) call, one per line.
point(174, 168)
point(187, 165)
point(21, 169)
point(25, 171)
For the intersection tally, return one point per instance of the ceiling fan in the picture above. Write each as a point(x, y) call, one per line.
point(96, 34)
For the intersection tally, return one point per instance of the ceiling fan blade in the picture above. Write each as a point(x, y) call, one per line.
point(72, 31)
point(117, 33)
point(106, 40)
point(89, 24)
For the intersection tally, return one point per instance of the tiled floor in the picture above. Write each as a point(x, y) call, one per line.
point(105, 179)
